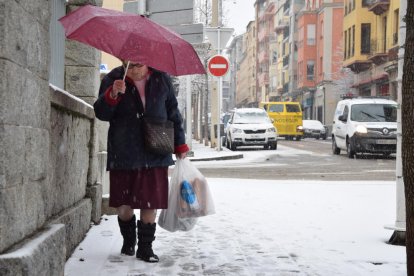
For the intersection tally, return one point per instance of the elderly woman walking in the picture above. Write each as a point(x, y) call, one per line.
point(138, 177)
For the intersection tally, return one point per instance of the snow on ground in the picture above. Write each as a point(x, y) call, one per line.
point(268, 227)
point(265, 227)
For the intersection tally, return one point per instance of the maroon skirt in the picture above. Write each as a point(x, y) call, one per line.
point(145, 188)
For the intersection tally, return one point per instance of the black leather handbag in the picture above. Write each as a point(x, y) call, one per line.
point(158, 135)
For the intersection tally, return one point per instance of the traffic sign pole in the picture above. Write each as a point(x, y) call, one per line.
point(218, 66)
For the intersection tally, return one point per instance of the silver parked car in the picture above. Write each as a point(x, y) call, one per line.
point(314, 129)
point(250, 127)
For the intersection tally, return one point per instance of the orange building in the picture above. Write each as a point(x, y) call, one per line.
point(320, 55)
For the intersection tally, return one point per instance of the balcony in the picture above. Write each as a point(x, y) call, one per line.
point(282, 25)
point(263, 34)
point(263, 79)
point(358, 66)
point(379, 6)
point(263, 56)
point(378, 53)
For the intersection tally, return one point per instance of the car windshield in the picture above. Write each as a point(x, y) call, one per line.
point(276, 108)
point(374, 113)
point(251, 117)
point(292, 108)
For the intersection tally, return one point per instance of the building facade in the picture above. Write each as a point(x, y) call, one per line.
point(371, 45)
point(246, 95)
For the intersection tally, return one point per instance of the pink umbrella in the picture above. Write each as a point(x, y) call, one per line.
point(134, 38)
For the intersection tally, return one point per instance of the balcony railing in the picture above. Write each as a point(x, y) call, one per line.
point(378, 46)
point(263, 56)
point(263, 78)
point(378, 6)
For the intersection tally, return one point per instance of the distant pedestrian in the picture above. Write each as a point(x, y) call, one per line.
point(138, 178)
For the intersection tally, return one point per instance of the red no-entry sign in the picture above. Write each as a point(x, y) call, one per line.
point(218, 66)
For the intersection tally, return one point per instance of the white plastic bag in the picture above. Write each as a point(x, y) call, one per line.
point(189, 198)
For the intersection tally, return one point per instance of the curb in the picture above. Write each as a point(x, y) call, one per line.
point(228, 157)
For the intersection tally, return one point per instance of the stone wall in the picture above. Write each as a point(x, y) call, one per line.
point(49, 192)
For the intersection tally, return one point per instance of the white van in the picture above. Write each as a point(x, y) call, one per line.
point(365, 125)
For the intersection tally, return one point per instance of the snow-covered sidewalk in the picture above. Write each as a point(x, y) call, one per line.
point(265, 227)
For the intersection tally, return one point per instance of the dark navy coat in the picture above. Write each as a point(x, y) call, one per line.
point(125, 136)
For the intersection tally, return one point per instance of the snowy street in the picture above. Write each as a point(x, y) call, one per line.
point(265, 227)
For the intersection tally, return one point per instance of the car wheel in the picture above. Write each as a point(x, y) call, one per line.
point(232, 146)
point(350, 150)
point(317, 137)
point(335, 149)
point(324, 137)
point(298, 138)
point(274, 146)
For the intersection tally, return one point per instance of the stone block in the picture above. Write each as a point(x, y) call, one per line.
point(89, 100)
point(94, 192)
point(25, 154)
point(82, 81)
point(25, 206)
point(79, 54)
point(77, 220)
point(42, 254)
point(63, 100)
point(24, 37)
point(23, 100)
point(69, 157)
point(102, 128)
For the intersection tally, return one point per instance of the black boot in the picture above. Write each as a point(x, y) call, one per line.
point(146, 236)
point(129, 232)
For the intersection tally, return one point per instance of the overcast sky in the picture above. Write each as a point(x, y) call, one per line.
point(238, 14)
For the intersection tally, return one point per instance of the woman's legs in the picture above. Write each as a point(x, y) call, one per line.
point(125, 212)
point(146, 235)
point(127, 225)
point(148, 215)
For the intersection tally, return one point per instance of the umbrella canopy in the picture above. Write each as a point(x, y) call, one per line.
point(134, 38)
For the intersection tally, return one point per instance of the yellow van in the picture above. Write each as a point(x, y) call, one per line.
point(287, 118)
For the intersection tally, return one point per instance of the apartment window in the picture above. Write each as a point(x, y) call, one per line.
point(311, 34)
point(353, 41)
point(346, 44)
point(349, 42)
point(396, 27)
point(301, 37)
point(322, 28)
point(274, 57)
point(353, 5)
point(365, 38)
point(321, 66)
point(310, 70)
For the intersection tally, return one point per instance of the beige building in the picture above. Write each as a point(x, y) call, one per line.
point(246, 73)
point(108, 61)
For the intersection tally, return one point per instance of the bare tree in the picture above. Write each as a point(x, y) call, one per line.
point(343, 78)
point(407, 112)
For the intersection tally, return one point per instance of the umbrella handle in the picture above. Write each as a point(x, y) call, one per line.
point(126, 69)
